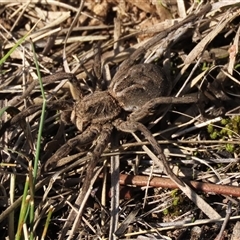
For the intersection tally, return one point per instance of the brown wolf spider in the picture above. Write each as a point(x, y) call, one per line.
point(136, 90)
point(133, 94)
point(97, 113)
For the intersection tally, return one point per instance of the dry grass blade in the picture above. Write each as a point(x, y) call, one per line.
point(205, 41)
point(232, 52)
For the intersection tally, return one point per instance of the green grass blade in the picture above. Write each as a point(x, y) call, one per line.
point(23, 210)
point(50, 211)
point(7, 55)
point(38, 147)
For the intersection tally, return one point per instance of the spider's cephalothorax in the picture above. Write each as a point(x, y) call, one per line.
point(129, 92)
point(98, 107)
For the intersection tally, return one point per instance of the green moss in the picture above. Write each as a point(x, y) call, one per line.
point(230, 148)
point(214, 135)
point(165, 211)
point(177, 204)
point(227, 128)
point(210, 128)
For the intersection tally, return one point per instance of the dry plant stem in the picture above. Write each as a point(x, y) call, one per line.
point(197, 126)
point(174, 226)
point(168, 183)
point(181, 8)
point(129, 62)
point(233, 52)
point(53, 178)
point(65, 63)
point(236, 231)
point(199, 48)
point(196, 142)
point(228, 214)
point(84, 198)
point(103, 214)
point(129, 219)
point(115, 191)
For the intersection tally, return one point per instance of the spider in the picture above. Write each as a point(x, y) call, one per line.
point(135, 91)
point(131, 96)
point(95, 115)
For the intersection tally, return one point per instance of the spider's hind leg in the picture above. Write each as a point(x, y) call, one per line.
point(101, 143)
point(131, 127)
point(151, 106)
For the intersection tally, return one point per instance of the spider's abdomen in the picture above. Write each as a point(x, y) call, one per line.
point(138, 85)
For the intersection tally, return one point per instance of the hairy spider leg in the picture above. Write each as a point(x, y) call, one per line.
point(101, 142)
point(84, 138)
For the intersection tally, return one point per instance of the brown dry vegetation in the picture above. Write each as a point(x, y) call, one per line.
point(201, 56)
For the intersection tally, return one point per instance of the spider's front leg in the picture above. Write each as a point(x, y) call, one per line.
point(84, 138)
